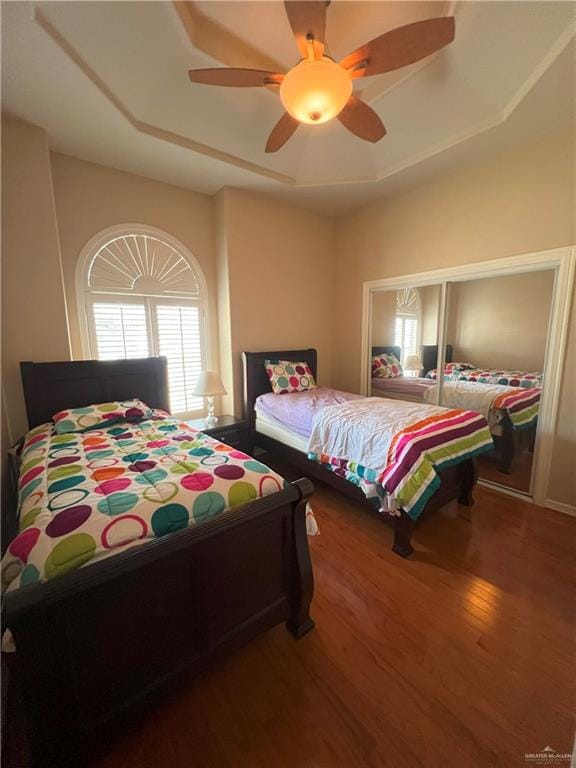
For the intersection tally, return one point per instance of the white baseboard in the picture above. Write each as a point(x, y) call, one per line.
point(559, 506)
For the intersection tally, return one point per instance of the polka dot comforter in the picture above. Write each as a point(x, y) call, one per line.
point(524, 379)
point(86, 496)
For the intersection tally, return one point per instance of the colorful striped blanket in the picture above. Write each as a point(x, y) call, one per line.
point(493, 401)
point(393, 450)
point(521, 407)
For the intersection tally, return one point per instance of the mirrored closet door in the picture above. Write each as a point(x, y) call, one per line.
point(496, 336)
point(493, 334)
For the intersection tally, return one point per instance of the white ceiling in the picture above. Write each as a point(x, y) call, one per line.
point(109, 83)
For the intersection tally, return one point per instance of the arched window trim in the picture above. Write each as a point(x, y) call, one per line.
point(401, 305)
point(85, 294)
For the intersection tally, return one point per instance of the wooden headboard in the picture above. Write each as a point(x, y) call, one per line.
point(429, 353)
point(396, 351)
point(52, 387)
point(256, 381)
point(430, 356)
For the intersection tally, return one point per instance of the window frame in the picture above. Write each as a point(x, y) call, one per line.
point(416, 315)
point(86, 296)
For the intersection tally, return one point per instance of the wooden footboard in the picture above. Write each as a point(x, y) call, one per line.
point(457, 483)
point(505, 444)
point(94, 644)
point(511, 442)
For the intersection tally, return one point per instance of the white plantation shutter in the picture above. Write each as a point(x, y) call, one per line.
point(120, 330)
point(410, 335)
point(179, 340)
point(143, 297)
point(406, 335)
point(399, 333)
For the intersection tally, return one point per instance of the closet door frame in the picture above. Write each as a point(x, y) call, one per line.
point(562, 261)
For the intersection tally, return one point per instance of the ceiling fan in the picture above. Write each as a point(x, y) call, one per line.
point(317, 88)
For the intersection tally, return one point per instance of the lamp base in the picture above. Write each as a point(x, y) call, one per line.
point(211, 420)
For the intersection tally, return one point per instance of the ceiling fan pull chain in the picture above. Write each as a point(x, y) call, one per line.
point(311, 49)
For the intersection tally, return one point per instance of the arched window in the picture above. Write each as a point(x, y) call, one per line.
point(407, 321)
point(142, 294)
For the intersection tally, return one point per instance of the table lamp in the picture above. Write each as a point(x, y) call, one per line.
point(209, 384)
point(413, 364)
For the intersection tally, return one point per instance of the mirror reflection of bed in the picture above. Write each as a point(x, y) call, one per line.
point(495, 340)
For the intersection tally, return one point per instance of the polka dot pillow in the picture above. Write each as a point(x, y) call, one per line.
point(386, 367)
point(100, 415)
point(286, 376)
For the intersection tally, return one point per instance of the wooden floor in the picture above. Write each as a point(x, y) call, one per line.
point(520, 474)
point(460, 656)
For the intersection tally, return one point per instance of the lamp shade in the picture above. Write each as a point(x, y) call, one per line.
point(315, 91)
point(209, 383)
point(412, 363)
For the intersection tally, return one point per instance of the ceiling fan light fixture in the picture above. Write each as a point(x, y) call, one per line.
point(315, 91)
point(319, 89)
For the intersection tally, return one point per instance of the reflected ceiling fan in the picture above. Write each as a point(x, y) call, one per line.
point(317, 88)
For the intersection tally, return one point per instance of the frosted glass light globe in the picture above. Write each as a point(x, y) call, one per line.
point(315, 91)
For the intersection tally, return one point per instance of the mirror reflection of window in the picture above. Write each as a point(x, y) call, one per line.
point(403, 335)
point(407, 325)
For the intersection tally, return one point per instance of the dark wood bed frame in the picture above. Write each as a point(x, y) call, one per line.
point(457, 482)
point(95, 645)
point(505, 444)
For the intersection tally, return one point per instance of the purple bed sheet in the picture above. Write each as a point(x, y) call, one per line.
point(401, 385)
point(297, 410)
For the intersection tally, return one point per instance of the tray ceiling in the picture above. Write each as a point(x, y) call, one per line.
point(109, 83)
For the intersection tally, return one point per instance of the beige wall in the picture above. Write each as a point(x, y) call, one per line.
point(501, 322)
point(277, 260)
point(34, 323)
point(267, 265)
point(90, 198)
point(224, 316)
point(429, 307)
point(512, 203)
point(383, 318)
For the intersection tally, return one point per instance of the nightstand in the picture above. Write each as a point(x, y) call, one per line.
point(229, 429)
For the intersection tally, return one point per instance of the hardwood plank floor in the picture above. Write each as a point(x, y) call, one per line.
point(520, 476)
point(461, 656)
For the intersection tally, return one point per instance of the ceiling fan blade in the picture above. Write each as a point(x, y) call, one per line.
point(236, 77)
point(401, 46)
point(307, 17)
point(281, 132)
point(361, 120)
